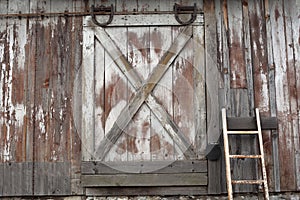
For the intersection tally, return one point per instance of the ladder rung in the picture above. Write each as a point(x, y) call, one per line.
point(242, 132)
point(247, 181)
point(245, 156)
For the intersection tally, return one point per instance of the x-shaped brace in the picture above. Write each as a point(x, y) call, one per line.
point(144, 93)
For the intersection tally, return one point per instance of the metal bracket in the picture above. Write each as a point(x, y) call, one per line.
point(183, 10)
point(109, 9)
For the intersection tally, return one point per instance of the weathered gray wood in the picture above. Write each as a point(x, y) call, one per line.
point(236, 51)
point(161, 191)
point(291, 13)
point(16, 179)
point(199, 91)
point(142, 94)
point(144, 180)
point(212, 87)
point(248, 58)
point(87, 125)
point(282, 94)
point(52, 178)
point(272, 96)
point(142, 19)
point(158, 167)
point(294, 11)
point(249, 123)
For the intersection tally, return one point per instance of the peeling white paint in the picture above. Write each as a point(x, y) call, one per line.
point(41, 119)
point(264, 100)
point(20, 112)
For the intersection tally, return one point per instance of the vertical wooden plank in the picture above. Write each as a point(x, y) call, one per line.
point(60, 82)
point(290, 9)
point(272, 96)
point(294, 10)
point(43, 95)
point(286, 146)
point(75, 125)
point(213, 130)
point(87, 126)
point(248, 56)
point(15, 107)
point(161, 145)
point(261, 75)
point(199, 91)
point(3, 35)
point(237, 59)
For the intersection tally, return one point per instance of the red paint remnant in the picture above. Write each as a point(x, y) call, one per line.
point(139, 43)
point(145, 128)
point(155, 143)
point(188, 72)
point(122, 147)
point(115, 91)
point(277, 14)
point(131, 145)
point(169, 149)
point(156, 39)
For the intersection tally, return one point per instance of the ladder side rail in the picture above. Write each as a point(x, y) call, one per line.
point(261, 148)
point(227, 159)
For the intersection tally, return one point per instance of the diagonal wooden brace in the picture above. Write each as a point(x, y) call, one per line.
point(144, 93)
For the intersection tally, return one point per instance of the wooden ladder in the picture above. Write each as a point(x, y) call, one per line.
point(227, 132)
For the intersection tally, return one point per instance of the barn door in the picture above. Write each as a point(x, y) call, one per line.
point(143, 94)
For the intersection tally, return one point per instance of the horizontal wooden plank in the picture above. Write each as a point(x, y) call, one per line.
point(141, 20)
point(249, 123)
point(158, 167)
point(162, 191)
point(117, 180)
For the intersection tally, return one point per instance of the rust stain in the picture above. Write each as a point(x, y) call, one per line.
point(259, 60)
point(131, 144)
point(225, 14)
point(46, 83)
point(155, 143)
point(277, 14)
point(156, 39)
point(245, 2)
point(237, 62)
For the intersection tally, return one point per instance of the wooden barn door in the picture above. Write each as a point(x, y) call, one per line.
point(143, 98)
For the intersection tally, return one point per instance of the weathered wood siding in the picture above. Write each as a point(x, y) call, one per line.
point(252, 47)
